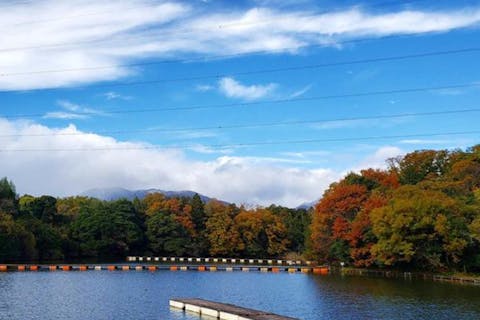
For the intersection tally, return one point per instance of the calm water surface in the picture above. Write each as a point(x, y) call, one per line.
point(145, 295)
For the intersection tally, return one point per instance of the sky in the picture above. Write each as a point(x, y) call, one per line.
point(252, 102)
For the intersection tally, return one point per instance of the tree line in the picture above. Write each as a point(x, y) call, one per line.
point(421, 213)
point(74, 228)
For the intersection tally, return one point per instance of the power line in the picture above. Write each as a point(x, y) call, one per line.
point(159, 81)
point(251, 72)
point(266, 102)
point(246, 144)
point(253, 125)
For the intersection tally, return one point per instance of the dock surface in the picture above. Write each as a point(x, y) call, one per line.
point(223, 310)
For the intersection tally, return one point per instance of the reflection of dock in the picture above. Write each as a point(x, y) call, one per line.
point(158, 267)
point(225, 311)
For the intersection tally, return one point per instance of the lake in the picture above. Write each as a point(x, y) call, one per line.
point(145, 295)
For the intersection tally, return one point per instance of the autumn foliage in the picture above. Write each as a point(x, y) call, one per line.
point(423, 212)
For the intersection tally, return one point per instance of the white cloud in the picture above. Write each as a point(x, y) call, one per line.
point(242, 180)
point(116, 33)
point(234, 89)
point(378, 158)
point(136, 29)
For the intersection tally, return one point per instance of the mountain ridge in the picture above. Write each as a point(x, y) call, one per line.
point(115, 193)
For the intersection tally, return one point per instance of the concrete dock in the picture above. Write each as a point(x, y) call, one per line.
point(224, 311)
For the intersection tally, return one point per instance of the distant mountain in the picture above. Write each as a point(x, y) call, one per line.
point(109, 194)
point(307, 205)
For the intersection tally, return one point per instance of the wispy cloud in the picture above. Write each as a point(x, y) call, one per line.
point(341, 124)
point(112, 95)
point(234, 89)
point(63, 115)
point(307, 154)
point(204, 87)
point(195, 134)
point(275, 160)
point(362, 123)
point(449, 92)
point(71, 111)
point(200, 148)
point(182, 134)
point(301, 91)
point(139, 29)
point(426, 141)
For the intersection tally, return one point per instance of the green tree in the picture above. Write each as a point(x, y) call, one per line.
point(16, 242)
point(420, 165)
point(296, 221)
point(43, 208)
point(8, 197)
point(107, 230)
point(423, 228)
point(166, 235)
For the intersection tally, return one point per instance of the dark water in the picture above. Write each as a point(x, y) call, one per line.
point(145, 295)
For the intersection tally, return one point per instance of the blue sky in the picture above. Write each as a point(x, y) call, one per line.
point(65, 66)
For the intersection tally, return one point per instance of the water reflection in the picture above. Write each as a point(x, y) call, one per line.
point(145, 295)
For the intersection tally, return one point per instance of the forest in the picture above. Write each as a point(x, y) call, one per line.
point(420, 213)
point(74, 228)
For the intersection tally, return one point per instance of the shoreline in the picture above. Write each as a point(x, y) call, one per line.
point(223, 264)
point(473, 279)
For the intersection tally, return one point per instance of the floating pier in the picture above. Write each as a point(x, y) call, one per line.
point(224, 311)
point(148, 263)
point(222, 260)
point(323, 270)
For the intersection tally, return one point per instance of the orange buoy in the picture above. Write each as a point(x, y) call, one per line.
point(3, 268)
point(33, 268)
point(111, 268)
point(321, 270)
point(305, 270)
point(275, 270)
point(52, 268)
point(292, 270)
point(213, 268)
point(66, 268)
point(173, 268)
point(125, 268)
point(201, 268)
point(152, 268)
point(21, 268)
point(83, 268)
